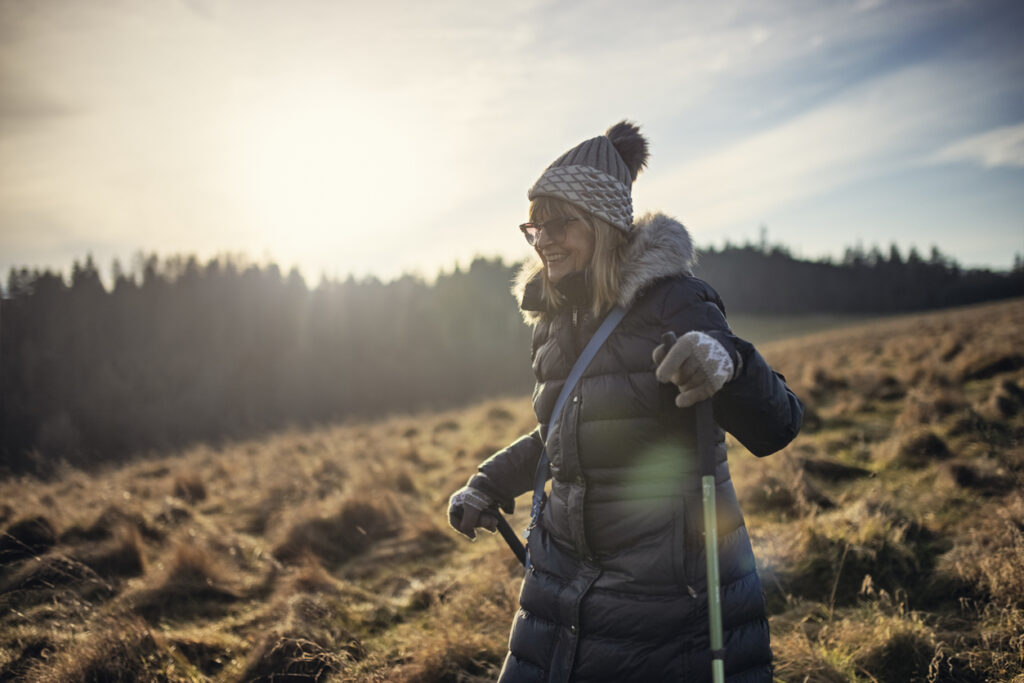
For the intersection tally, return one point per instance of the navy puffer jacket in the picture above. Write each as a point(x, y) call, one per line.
point(617, 588)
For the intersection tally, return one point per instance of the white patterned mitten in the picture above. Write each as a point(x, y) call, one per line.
point(470, 508)
point(698, 364)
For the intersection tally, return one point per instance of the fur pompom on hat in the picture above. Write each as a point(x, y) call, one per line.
point(597, 175)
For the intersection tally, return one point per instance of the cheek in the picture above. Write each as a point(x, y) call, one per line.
point(585, 253)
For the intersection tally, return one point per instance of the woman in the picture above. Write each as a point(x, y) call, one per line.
point(616, 587)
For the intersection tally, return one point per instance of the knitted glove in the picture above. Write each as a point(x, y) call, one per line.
point(469, 508)
point(697, 363)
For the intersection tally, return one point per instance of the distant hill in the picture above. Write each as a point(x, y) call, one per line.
point(888, 534)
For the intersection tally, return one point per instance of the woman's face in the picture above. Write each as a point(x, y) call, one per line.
point(567, 255)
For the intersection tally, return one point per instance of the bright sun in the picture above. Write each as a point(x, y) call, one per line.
point(323, 169)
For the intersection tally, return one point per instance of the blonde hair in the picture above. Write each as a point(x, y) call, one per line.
point(605, 264)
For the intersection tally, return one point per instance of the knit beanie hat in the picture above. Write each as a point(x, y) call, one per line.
point(597, 175)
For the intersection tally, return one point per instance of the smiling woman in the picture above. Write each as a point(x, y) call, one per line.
point(617, 588)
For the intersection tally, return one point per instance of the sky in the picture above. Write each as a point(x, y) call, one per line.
point(400, 137)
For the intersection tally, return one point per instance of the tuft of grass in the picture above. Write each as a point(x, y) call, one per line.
point(983, 475)
point(210, 653)
point(28, 537)
point(281, 658)
point(1005, 401)
point(828, 557)
point(190, 488)
point(357, 523)
point(33, 648)
point(997, 654)
point(875, 642)
point(990, 558)
point(107, 524)
point(118, 649)
point(310, 645)
point(121, 556)
point(818, 383)
point(256, 519)
point(876, 384)
point(404, 482)
point(926, 405)
point(832, 471)
point(447, 426)
point(917, 448)
point(785, 490)
point(988, 361)
point(35, 579)
point(460, 635)
point(311, 577)
point(500, 414)
point(192, 581)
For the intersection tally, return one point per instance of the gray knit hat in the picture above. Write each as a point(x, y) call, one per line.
point(597, 175)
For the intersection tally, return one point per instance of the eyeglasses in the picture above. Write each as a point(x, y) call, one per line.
point(554, 227)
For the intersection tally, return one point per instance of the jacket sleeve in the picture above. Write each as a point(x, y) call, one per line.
point(510, 472)
point(756, 406)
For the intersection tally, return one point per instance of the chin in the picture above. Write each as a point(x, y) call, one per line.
point(555, 276)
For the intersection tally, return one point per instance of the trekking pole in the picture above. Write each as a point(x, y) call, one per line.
point(506, 531)
point(706, 446)
point(706, 456)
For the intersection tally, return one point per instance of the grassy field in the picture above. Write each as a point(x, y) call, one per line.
point(890, 535)
point(761, 329)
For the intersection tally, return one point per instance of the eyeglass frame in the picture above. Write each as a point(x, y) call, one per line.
point(554, 227)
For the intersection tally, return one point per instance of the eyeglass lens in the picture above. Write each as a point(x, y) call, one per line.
point(555, 228)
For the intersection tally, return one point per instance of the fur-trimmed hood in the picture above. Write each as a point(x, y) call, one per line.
point(659, 247)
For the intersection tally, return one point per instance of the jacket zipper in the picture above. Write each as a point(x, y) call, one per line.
point(574, 333)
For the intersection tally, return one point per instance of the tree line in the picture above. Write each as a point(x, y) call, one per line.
point(178, 351)
point(768, 279)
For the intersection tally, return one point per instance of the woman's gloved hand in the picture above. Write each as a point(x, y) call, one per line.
point(697, 363)
point(470, 508)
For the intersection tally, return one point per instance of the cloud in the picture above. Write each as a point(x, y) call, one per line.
point(878, 127)
point(22, 104)
point(1000, 147)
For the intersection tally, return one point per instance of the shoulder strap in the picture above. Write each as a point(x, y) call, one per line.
point(589, 351)
point(586, 356)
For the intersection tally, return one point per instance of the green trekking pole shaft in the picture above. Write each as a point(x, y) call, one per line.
point(705, 424)
point(706, 432)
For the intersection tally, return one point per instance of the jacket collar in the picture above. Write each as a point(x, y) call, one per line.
point(575, 287)
point(659, 247)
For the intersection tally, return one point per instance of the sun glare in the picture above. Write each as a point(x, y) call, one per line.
point(328, 169)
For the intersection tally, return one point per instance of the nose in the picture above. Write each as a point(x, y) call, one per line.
point(543, 239)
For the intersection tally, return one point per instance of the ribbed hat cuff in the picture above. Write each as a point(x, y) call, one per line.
point(590, 189)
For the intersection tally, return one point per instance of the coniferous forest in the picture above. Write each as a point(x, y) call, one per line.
point(177, 351)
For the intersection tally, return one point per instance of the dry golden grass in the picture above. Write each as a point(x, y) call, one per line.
point(311, 642)
point(990, 558)
point(876, 642)
point(119, 649)
point(347, 530)
point(189, 487)
point(889, 535)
